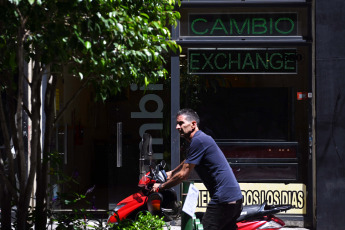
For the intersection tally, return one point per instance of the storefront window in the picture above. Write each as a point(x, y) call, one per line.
point(253, 114)
point(246, 68)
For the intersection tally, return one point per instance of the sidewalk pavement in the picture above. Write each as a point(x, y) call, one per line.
point(173, 226)
point(285, 228)
point(176, 225)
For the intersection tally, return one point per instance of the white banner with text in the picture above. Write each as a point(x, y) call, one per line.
point(257, 193)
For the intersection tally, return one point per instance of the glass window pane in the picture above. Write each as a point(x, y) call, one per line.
point(262, 172)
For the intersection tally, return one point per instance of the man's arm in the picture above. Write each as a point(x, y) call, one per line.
point(176, 178)
point(174, 171)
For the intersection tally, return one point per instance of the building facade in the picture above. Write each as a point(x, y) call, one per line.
point(247, 68)
point(265, 76)
point(329, 149)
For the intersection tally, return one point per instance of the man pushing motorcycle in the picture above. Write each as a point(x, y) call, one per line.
point(204, 155)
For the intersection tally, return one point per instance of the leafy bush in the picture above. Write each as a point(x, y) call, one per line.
point(145, 221)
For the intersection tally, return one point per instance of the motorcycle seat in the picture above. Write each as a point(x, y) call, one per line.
point(249, 211)
point(254, 211)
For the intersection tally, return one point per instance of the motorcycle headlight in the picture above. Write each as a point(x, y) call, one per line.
point(154, 202)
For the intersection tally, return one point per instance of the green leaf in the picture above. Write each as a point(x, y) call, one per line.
point(15, 1)
point(120, 27)
point(87, 45)
point(145, 15)
point(81, 75)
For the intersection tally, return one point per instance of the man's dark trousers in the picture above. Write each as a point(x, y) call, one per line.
point(222, 216)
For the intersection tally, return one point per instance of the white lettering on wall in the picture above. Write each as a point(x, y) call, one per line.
point(156, 114)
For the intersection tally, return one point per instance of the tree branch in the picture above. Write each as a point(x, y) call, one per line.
point(75, 95)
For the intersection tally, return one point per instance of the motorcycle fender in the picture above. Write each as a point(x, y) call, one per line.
point(130, 204)
point(249, 225)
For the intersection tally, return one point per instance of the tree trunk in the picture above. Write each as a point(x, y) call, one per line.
point(25, 179)
point(7, 190)
point(42, 183)
point(21, 217)
point(5, 208)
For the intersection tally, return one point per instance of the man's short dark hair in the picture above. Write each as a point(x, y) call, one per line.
point(190, 114)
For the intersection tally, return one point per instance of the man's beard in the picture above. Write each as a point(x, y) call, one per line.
point(186, 135)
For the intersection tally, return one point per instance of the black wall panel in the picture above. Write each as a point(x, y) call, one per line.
point(330, 117)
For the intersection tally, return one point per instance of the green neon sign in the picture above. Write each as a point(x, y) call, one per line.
point(277, 24)
point(238, 61)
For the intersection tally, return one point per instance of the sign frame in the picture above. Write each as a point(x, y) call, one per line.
point(219, 24)
point(290, 59)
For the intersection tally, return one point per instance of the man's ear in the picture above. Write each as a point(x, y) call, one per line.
point(194, 124)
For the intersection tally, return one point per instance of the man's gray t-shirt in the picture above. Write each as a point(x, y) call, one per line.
point(213, 169)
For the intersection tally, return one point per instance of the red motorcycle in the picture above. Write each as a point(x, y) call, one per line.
point(261, 217)
point(164, 203)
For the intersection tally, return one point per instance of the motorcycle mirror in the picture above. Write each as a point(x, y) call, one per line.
point(152, 172)
point(153, 168)
point(153, 165)
point(146, 146)
point(161, 165)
